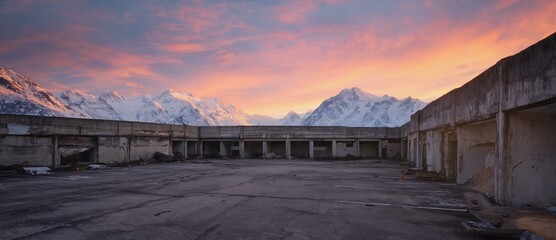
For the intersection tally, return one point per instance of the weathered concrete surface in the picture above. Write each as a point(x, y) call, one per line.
point(296, 132)
point(240, 199)
point(476, 149)
point(45, 126)
point(522, 82)
point(532, 158)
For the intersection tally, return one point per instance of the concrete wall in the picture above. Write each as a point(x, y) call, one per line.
point(343, 148)
point(113, 149)
point(480, 119)
point(393, 148)
point(532, 157)
point(145, 147)
point(32, 149)
point(296, 132)
point(434, 147)
point(476, 149)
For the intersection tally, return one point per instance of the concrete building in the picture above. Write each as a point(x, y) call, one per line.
point(496, 132)
point(52, 141)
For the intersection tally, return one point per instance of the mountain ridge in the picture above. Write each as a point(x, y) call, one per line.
point(350, 107)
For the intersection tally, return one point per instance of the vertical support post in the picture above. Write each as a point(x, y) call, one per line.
point(502, 172)
point(333, 148)
point(288, 149)
point(265, 149)
point(357, 148)
point(128, 150)
point(200, 148)
point(96, 150)
point(241, 149)
point(55, 151)
point(311, 149)
point(185, 148)
point(380, 148)
point(223, 150)
point(170, 146)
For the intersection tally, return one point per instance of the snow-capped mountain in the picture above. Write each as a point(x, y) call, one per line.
point(19, 95)
point(354, 107)
point(351, 107)
point(87, 105)
point(294, 119)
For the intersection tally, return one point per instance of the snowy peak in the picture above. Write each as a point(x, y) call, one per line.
point(88, 105)
point(19, 95)
point(356, 108)
point(292, 119)
point(350, 107)
point(354, 94)
point(111, 97)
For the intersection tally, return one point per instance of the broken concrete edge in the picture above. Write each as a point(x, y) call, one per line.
point(496, 221)
point(487, 230)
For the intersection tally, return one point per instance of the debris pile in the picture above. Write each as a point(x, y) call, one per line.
point(508, 222)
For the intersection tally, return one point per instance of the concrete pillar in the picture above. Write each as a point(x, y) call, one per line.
point(333, 148)
point(265, 149)
point(55, 151)
point(185, 148)
point(223, 150)
point(357, 148)
point(288, 148)
point(311, 149)
point(380, 149)
point(170, 145)
point(241, 149)
point(502, 167)
point(128, 149)
point(96, 151)
point(200, 148)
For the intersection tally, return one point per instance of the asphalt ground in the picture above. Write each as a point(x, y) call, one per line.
point(232, 199)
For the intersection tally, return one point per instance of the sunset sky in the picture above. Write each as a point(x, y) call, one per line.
point(266, 57)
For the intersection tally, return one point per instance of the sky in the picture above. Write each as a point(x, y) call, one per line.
point(266, 57)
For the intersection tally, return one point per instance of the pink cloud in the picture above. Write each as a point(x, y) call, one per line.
point(295, 11)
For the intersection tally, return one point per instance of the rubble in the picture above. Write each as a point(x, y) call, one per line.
point(37, 170)
point(96, 166)
point(161, 157)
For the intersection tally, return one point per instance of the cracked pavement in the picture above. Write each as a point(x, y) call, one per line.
point(232, 199)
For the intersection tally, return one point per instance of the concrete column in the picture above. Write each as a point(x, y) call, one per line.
point(311, 149)
point(55, 151)
point(200, 148)
point(265, 149)
point(333, 148)
point(380, 149)
point(185, 148)
point(288, 148)
point(96, 151)
point(241, 149)
point(223, 150)
point(128, 149)
point(502, 169)
point(170, 145)
point(357, 148)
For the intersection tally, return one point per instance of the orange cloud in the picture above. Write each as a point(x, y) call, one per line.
point(182, 48)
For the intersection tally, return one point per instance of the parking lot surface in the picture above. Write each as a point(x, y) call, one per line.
point(232, 199)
